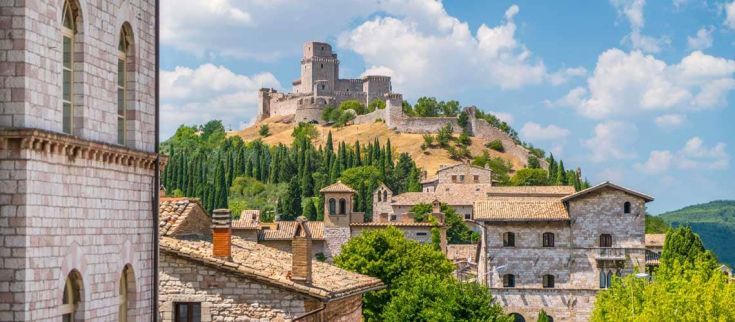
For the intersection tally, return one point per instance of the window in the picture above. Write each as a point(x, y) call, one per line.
point(467, 216)
point(509, 239)
point(342, 206)
point(454, 178)
point(332, 207)
point(421, 234)
point(626, 207)
point(548, 240)
point(509, 280)
point(122, 58)
point(187, 312)
point(68, 31)
point(461, 178)
point(71, 298)
point(380, 196)
point(385, 195)
point(517, 317)
point(606, 278)
point(123, 296)
point(321, 66)
point(605, 240)
point(548, 281)
point(476, 178)
point(392, 217)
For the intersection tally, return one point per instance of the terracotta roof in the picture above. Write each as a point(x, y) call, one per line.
point(286, 229)
point(655, 240)
point(245, 224)
point(454, 194)
point(607, 184)
point(272, 266)
point(395, 224)
point(533, 191)
point(461, 164)
point(430, 180)
point(172, 212)
point(520, 210)
point(338, 187)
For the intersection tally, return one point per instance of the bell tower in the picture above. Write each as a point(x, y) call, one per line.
point(338, 204)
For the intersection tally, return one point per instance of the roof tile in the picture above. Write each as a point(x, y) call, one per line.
point(520, 210)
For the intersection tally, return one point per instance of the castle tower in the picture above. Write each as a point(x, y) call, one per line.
point(338, 204)
point(78, 161)
point(319, 63)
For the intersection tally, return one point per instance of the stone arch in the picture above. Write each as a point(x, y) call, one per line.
point(517, 317)
point(342, 206)
point(332, 206)
point(72, 296)
point(627, 207)
point(128, 287)
point(126, 54)
point(78, 64)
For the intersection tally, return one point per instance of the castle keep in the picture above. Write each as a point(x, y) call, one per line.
point(77, 160)
point(319, 87)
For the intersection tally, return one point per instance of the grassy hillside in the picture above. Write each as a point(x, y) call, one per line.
point(714, 222)
point(281, 128)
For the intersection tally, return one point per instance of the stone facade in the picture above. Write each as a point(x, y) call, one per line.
point(63, 196)
point(578, 258)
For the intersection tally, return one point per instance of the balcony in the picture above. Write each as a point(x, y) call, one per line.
point(610, 254)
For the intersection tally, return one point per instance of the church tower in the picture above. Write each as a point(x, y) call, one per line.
point(319, 67)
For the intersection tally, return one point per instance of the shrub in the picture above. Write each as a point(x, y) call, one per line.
point(444, 135)
point(496, 145)
point(428, 140)
point(376, 104)
point(264, 130)
point(464, 139)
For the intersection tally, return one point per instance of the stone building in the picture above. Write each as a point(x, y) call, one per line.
point(77, 155)
point(320, 86)
point(208, 273)
point(555, 254)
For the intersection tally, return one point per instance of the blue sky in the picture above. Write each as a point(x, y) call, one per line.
point(636, 92)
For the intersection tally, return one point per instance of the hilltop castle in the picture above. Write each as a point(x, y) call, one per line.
point(319, 87)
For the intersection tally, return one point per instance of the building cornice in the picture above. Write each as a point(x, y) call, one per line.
point(76, 148)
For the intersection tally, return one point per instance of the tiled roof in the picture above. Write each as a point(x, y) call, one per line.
point(338, 187)
point(430, 180)
point(450, 193)
point(520, 210)
point(655, 240)
point(245, 224)
point(462, 164)
point(461, 252)
point(271, 266)
point(608, 184)
point(286, 229)
point(533, 191)
point(396, 224)
point(172, 212)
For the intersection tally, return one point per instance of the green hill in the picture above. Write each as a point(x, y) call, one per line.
point(714, 222)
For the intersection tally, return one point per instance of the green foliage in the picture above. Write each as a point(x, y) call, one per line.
point(249, 193)
point(464, 120)
point(500, 167)
point(464, 139)
point(684, 246)
point(310, 209)
point(533, 162)
point(444, 135)
point(542, 317)
point(430, 107)
point(428, 140)
point(376, 104)
point(420, 211)
point(213, 132)
point(496, 145)
point(713, 221)
point(457, 230)
point(386, 254)
point(289, 207)
point(354, 105)
point(529, 177)
point(458, 152)
point(345, 118)
point(331, 114)
point(656, 225)
point(264, 131)
point(320, 257)
point(304, 133)
point(430, 297)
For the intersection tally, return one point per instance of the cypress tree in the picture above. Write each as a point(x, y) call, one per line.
point(310, 210)
point(358, 157)
point(561, 174)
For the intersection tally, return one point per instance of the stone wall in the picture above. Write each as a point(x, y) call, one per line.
point(317, 246)
point(344, 310)
point(334, 238)
point(224, 294)
point(31, 69)
point(419, 234)
point(465, 174)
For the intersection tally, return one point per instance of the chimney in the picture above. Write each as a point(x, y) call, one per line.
point(221, 233)
point(436, 211)
point(301, 252)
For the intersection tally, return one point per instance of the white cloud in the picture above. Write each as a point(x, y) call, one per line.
point(194, 96)
point(702, 40)
point(503, 116)
point(535, 132)
point(632, 10)
point(611, 141)
point(694, 155)
point(417, 41)
point(257, 29)
point(562, 76)
point(658, 162)
point(630, 83)
point(730, 15)
point(667, 121)
point(613, 175)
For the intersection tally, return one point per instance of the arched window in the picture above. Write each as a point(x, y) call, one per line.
point(549, 318)
point(608, 280)
point(548, 240)
point(68, 32)
point(548, 281)
point(332, 206)
point(124, 57)
point(605, 240)
point(342, 207)
point(71, 298)
point(517, 317)
point(603, 279)
point(385, 195)
point(509, 239)
point(509, 280)
point(626, 207)
point(380, 196)
point(123, 296)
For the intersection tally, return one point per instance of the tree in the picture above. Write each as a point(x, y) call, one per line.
point(533, 162)
point(463, 120)
point(500, 167)
point(264, 130)
point(310, 209)
point(354, 105)
point(464, 139)
point(444, 135)
point(290, 203)
point(457, 230)
point(496, 145)
point(529, 177)
point(428, 140)
point(683, 245)
point(430, 297)
point(376, 104)
point(656, 225)
point(386, 254)
point(303, 133)
point(542, 317)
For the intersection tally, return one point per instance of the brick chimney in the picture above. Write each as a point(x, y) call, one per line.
point(221, 233)
point(301, 252)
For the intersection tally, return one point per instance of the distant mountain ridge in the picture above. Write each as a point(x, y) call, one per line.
point(714, 222)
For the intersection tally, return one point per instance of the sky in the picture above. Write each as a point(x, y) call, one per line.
point(638, 93)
